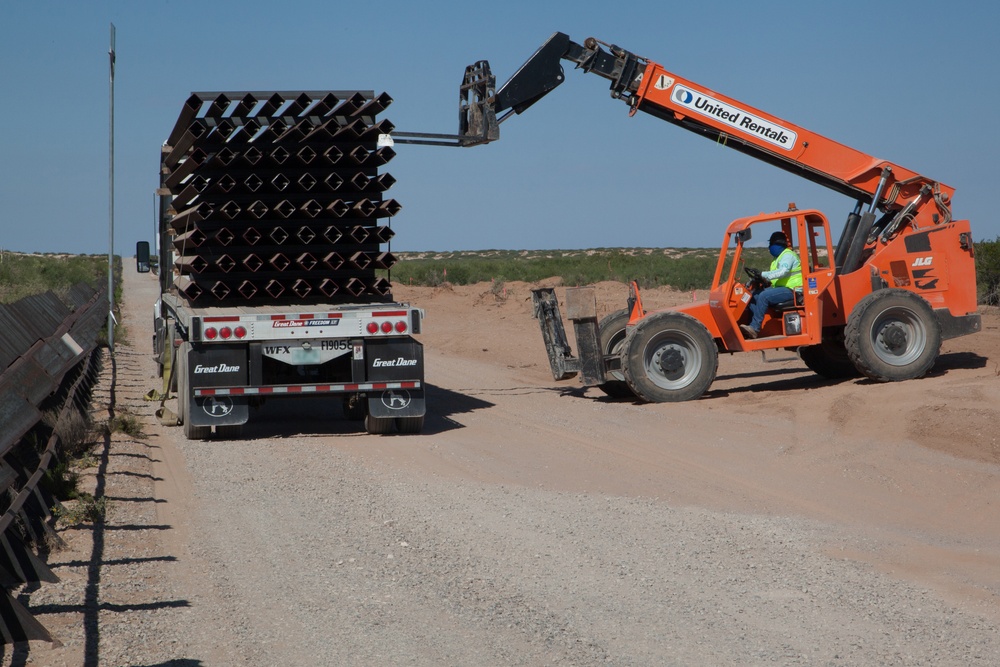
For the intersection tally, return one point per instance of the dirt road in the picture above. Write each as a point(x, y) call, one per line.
point(781, 519)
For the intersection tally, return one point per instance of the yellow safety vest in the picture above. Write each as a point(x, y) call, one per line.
point(793, 279)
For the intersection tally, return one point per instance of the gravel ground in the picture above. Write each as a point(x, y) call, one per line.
point(376, 568)
point(306, 550)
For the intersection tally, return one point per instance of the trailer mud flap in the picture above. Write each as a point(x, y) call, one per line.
point(218, 410)
point(217, 366)
point(396, 403)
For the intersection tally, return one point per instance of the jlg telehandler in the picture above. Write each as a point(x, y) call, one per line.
point(900, 279)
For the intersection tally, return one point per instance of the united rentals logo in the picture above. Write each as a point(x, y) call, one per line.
point(735, 117)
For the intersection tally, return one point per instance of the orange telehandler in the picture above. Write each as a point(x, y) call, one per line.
point(900, 279)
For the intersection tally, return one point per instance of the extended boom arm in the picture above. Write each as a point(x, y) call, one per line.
point(902, 194)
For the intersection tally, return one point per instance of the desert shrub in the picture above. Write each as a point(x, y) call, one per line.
point(684, 269)
point(24, 275)
point(84, 508)
point(127, 423)
point(988, 271)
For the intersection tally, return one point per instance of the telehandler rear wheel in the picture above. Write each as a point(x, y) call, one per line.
point(892, 335)
point(669, 357)
point(613, 331)
point(829, 359)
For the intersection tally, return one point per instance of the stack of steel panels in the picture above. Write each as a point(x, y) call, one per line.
point(276, 197)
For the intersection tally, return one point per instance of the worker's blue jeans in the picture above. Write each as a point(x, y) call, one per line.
point(763, 300)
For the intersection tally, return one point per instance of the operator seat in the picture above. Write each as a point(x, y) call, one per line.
point(791, 304)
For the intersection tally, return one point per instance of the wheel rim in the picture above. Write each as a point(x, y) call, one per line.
point(672, 360)
point(898, 336)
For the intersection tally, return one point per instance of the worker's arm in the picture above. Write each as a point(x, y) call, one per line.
point(786, 266)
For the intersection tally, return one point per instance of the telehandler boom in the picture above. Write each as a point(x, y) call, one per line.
point(900, 279)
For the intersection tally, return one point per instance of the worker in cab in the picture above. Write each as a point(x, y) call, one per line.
point(784, 276)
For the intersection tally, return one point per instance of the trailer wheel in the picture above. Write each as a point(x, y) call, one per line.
point(668, 357)
point(191, 432)
point(410, 425)
point(829, 359)
point(892, 335)
point(168, 347)
point(180, 368)
point(378, 425)
point(613, 331)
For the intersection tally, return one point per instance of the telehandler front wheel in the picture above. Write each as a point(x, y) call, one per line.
point(892, 335)
point(612, 330)
point(669, 357)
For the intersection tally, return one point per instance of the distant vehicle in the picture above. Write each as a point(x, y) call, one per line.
point(142, 256)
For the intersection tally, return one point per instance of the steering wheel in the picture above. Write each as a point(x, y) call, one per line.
point(757, 279)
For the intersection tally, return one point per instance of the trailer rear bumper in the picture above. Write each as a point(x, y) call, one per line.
point(299, 390)
point(230, 406)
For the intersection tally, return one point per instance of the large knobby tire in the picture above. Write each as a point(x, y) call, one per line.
point(892, 335)
point(669, 357)
point(829, 359)
point(613, 331)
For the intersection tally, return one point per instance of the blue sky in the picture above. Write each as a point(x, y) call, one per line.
point(914, 82)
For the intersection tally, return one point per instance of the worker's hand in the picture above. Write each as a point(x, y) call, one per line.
point(757, 280)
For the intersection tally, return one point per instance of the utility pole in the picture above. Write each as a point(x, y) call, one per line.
point(111, 198)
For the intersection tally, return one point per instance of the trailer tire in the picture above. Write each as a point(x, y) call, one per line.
point(613, 332)
point(829, 359)
point(410, 425)
point(168, 347)
point(378, 425)
point(668, 357)
point(892, 335)
point(191, 432)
